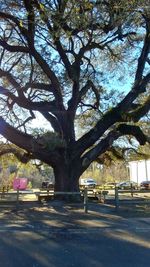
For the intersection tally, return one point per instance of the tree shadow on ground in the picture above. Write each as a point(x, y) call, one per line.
point(45, 247)
point(59, 214)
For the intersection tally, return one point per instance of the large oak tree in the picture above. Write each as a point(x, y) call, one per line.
point(62, 58)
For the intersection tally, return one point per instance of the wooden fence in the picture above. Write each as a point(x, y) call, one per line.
point(132, 200)
point(14, 197)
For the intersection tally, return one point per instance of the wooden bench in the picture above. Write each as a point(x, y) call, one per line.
point(44, 196)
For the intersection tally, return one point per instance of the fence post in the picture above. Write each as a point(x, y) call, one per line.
point(17, 200)
point(99, 196)
point(131, 190)
point(104, 195)
point(3, 192)
point(116, 198)
point(85, 201)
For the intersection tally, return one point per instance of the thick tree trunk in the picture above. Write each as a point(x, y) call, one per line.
point(66, 180)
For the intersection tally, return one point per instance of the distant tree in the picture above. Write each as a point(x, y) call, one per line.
point(11, 167)
point(63, 59)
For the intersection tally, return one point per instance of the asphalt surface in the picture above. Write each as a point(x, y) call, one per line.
point(59, 236)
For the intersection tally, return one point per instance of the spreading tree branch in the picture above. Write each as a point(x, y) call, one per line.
point(107, 142)
point(20, 155)
point(13, 48)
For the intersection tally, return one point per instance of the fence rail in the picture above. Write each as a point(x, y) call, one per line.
point(15, 196)
point(118, 201)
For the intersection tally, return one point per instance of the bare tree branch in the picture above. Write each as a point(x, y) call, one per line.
point(135, 131)
point(13, 48)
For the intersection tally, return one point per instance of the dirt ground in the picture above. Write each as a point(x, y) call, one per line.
point(30, 209)
point(68, 211)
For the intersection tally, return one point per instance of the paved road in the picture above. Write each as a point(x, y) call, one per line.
point(62, 237)
point(37, 244)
